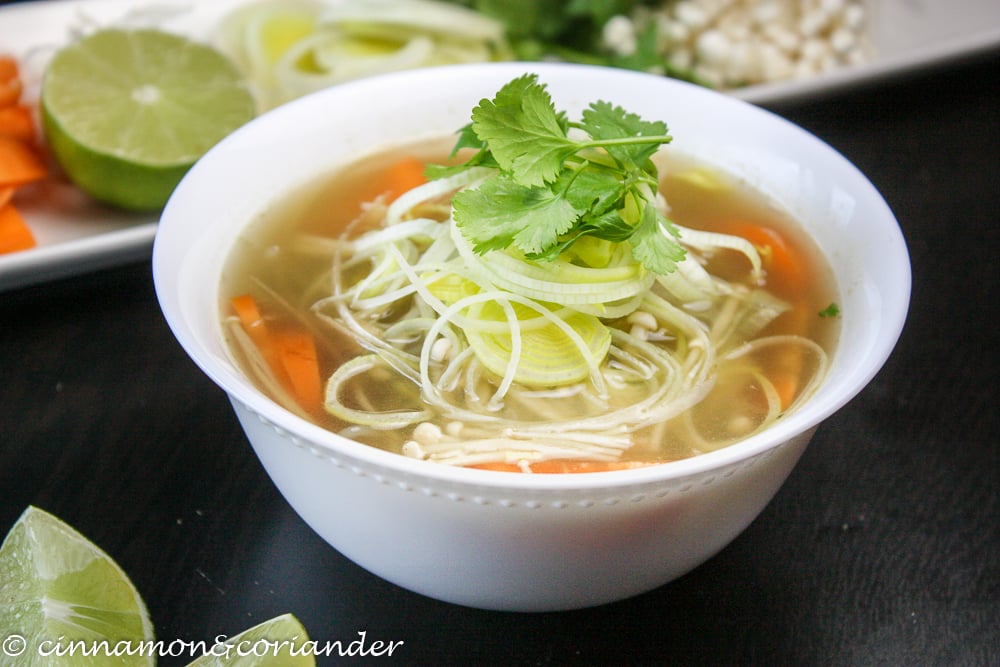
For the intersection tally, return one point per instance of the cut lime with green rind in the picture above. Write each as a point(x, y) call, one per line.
point(128, 112)
point(278, 642)
point(57, 588)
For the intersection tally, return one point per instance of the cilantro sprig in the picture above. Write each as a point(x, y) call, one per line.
point(557, 181)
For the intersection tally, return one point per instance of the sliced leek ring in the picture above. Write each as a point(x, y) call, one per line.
point(549, 357)
point(377, 420)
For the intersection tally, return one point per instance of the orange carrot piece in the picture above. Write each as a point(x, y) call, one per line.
point(10, 92)
point(786, 371)
point(565, 466)
point(8, 68)
point(14, 232)
point(17, 123)
point(10, 82)
point(256, 328)
point(787, 272)
point(780, 259)
point(246, 309)
point(19, 163)
point(401, 177)
point(787, 387)
point(297, 352)
point(289, 353)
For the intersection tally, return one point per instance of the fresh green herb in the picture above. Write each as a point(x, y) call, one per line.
point(575, 21)
point(551, 189)
point(833, 310)
point(572, 32)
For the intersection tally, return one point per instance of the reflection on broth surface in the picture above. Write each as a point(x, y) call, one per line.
point(586, 362)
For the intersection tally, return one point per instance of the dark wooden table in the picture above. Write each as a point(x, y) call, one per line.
point(881, 549)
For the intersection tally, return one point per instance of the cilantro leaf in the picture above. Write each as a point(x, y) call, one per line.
point(595, 190)
point(651, 245)
point(607, 227)
point(467, 138)
point(524, 131)
point(550, 190)
point(833, 310)
point(501, 212)
point(605, 121)
point(481, 159)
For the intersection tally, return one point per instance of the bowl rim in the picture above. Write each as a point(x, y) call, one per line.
point(331, 445)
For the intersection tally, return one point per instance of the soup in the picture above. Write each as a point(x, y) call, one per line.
point(357, 303)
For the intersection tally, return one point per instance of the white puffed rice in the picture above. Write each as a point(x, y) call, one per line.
point(733, 43)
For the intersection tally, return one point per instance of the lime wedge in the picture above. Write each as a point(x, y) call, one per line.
point(279, 642)
point(127, 112)
point(57, 589)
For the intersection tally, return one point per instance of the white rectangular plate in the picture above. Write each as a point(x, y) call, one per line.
point(76, 236)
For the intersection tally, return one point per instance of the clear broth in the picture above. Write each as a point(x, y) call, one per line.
point(266, 255)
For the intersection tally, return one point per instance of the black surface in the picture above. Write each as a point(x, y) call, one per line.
point(881, 549)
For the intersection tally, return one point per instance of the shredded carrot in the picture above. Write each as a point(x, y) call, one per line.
point(14, 233)
point(16, 123)
point(565, 466)
point(400, 177)
point(289, 352)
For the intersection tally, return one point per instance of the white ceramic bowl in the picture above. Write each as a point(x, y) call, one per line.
point(511, 541)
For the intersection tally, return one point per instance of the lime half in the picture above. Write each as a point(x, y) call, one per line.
point(59, 593)
point(279, 642)
point(127, 112)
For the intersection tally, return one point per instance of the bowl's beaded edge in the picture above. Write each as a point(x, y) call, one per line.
point(660, 493)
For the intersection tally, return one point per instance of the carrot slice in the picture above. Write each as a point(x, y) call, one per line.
point(785, 370)
point(10, 81)
point(8, 68)
point(787, 273)
point(17, 123)
point(565, 466)
point(786, 382)
point(297, 352)
point(290, 353)
point(401, 177)
point(19, 163)
point(14, 232)
point(256, 328)
point(246, 309)
point(786, 268)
